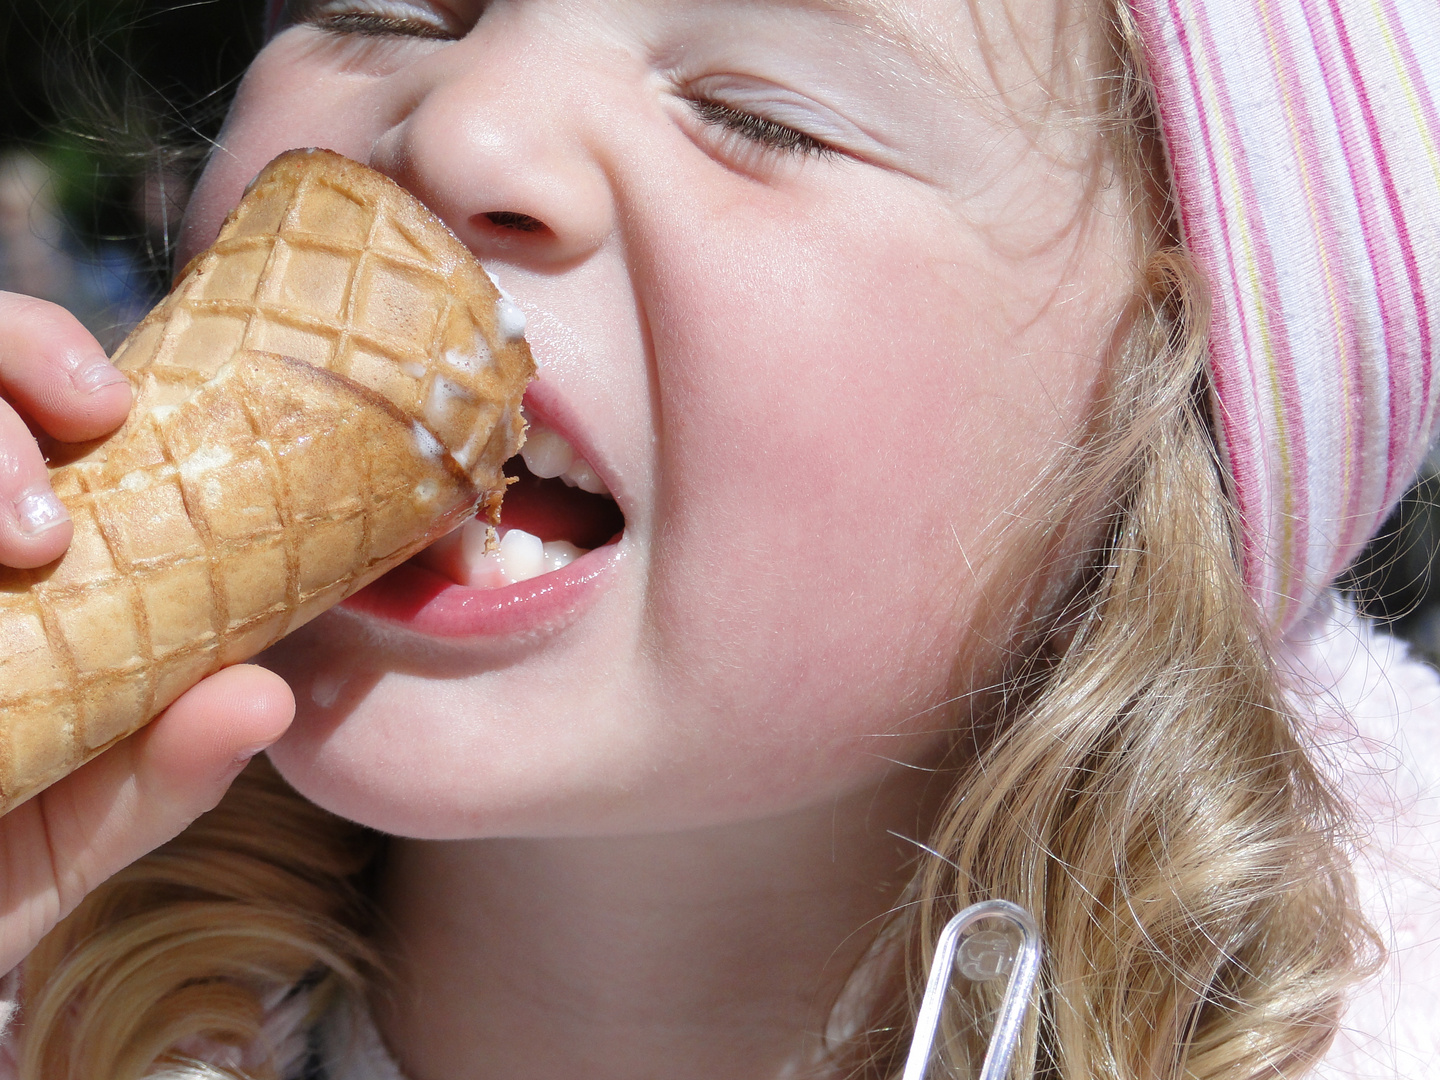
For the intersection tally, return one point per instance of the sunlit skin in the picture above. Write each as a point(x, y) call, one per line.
point(814, 383)
point(819, 363)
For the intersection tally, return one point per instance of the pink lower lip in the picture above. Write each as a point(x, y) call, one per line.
point(428, 603)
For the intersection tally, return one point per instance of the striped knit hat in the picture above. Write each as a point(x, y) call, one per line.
point(1304, 141)
point(1305, 148)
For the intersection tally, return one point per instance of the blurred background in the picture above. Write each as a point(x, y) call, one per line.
point(107, 110)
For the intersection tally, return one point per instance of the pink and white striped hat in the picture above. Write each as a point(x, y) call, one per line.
point(1304, 142)
point(1305, 150)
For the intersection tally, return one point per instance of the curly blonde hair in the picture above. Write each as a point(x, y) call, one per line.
point(1136, 780)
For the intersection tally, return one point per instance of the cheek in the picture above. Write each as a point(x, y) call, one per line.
point(850, 415)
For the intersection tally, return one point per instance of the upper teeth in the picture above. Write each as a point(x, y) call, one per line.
point(547, 454)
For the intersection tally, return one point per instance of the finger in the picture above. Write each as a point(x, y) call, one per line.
point(60, 845)
point(57, 373)
point(165, 776)
point(34, 525)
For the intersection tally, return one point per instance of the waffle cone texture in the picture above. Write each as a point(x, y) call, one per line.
point(328, 389)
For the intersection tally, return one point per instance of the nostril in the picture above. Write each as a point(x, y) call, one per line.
point(509, 219)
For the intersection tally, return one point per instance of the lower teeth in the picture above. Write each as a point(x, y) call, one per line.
point(521, 556)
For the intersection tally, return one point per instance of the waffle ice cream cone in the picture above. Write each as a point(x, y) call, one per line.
point(329, 388)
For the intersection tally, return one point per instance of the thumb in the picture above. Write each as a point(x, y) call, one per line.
point(131, 799)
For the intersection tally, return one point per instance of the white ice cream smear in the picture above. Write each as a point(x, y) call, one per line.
point(471, 450)
point(443, 393)
point(453, 389)
point(476, 360)
point(426, 443)
point(508, 317)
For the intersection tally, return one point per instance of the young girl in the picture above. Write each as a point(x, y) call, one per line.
point(911, 575)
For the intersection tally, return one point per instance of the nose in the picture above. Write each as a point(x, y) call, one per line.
point(494, 142)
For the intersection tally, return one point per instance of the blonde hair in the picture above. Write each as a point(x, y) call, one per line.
point(1136, 780)
point(259, 896)
point(1146, 793)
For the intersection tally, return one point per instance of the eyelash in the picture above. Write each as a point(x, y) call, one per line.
point(758, 130)
point(366, 25)
point(369, 24)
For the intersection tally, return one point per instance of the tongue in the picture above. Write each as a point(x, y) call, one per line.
point(552, 511)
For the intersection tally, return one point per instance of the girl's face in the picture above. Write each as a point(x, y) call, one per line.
point(816, 288)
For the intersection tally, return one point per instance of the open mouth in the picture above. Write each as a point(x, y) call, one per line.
point(557, 513)
point(557, 510)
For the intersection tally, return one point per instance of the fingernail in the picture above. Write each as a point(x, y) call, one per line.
point(244, 757)
point(39, 512)
point(92, 376)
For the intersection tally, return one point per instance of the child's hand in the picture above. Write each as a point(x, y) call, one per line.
point(73, 835)
point(53, 371)
point(61, 844)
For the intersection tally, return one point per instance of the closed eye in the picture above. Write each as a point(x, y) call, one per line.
point(372, 20)
point(758, 129)
point(368, 24)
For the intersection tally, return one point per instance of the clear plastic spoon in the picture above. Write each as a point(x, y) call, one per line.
point(982, 956)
